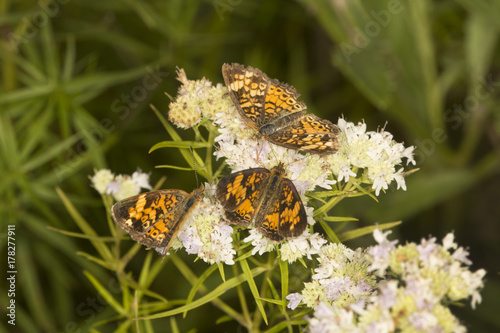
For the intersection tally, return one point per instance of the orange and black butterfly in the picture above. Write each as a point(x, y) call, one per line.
point(266, 198)
point(154, 218)
point(271, 108)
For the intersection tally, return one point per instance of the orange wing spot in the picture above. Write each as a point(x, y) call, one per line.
point(272, 221)
point(245, 209)
point(132, 212)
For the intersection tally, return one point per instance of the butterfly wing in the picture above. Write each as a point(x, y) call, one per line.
point(239, 194)
point(311, 134)
point(151, 218)
point(247, 88)
point(292, 215)
point(281, 106)
point(270, 222)
point(260, 100)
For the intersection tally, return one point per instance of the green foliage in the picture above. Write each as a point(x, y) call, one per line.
point(75, 94)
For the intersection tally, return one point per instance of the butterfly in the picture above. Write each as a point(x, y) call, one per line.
point(154, 218)
point(271, 107)
point(263, 197)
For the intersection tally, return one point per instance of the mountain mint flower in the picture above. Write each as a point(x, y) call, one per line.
point(414, 285)
point(101, 179)
point(120, 186)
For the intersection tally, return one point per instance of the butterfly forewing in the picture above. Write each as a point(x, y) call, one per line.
point(247, 89)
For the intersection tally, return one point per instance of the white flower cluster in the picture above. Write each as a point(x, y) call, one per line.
point(306, 244)
point(206, 235)
point(195, 100)
point(374, 152)
point(120, 186)
point(415, 284)
point(341, 279)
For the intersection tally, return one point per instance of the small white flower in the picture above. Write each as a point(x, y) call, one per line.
point(316, 241)
point(380, 183)
point(294, 300)
point(461, 255)
point(400, 180)
point(336, 286)
point(345, 172)
point(260, 243)
point(448, 242)
point(388, 294)
point(127, 188)
point(113, 186)
point(424, 321)
point(141, 179)
point(101, 179)
point(295, 248)
point(380, 254)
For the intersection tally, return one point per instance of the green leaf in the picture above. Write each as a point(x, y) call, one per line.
point(480, 42)
point(280, 327)
point(105, 293)
point(253, 287)
point(177, 144)
point(186, 154)
point(272, 301)
point(339, 219)
point(352, 234)
point(103, 263)
point(173, 325)
point(329, 232)
point(284, 281)
point(173, 167)
point(221, 271)
point(273, 289)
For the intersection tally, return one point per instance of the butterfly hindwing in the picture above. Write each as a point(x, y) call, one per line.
point(292, 215)
point(310, 133)
point(269, 224)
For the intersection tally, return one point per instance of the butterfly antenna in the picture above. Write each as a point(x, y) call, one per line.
point(194, 167)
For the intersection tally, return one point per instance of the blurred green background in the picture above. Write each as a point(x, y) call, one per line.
point(77, 78)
